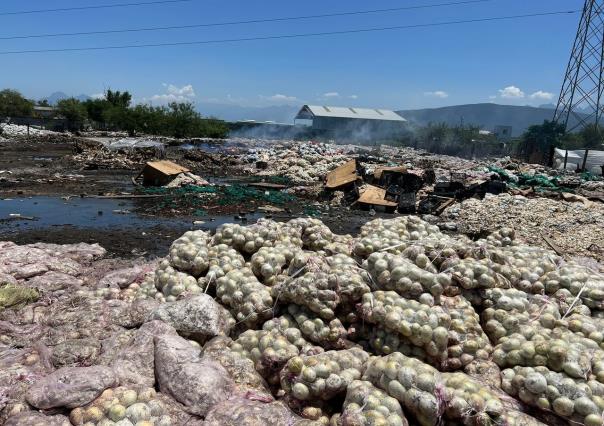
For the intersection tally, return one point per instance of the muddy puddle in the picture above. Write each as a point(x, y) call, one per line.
point(112, 223)
point(43, 211)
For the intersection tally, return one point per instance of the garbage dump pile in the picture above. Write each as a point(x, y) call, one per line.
point(574, 227)
point(290, 324)
point(7, 129)
point(300, 163)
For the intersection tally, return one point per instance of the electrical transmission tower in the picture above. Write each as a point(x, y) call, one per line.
point(582, 93)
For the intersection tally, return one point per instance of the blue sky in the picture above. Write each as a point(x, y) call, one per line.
point(513, 62)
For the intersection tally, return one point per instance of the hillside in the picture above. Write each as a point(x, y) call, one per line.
point(58, 96)
point(232, 112)
point(487, 116)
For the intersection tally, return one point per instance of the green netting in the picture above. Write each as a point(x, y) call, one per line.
point(312, 211)
point(538, 180)
point(502, 173)
point(589, 176)
point(239, 193)
point(187, 189)
point(188, 197)
point(541, 181)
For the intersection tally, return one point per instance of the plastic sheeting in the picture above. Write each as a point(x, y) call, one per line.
point(134, 143)
point(595, 159)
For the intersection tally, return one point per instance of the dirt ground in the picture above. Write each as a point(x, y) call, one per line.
point(40, 168)
point(44, 168)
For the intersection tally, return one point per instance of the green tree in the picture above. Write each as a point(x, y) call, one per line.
point(43, 103)
point(592, 136)
point(151, 120)
point(96, 109)
point(182, 119)
point(539, 141)
point(74, 112)
point(118, 99)
point(211, 128)
point(13, 104)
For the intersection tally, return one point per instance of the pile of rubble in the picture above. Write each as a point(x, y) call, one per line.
point(11, 130)
point(299, 163)
point(94, 155)
point(573, 228)
point(288, 323)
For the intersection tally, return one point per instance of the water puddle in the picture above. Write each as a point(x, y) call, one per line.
point(44, 212)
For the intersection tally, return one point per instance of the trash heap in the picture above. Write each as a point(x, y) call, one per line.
point(11, 130)
point(299, 163)
point(287, 323)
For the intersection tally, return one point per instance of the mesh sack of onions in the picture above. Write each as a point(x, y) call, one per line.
point(397, 273)
point(467, 341)
point(189, 253)
point(329, 334)
point(502, 238)
point(523, 266)
point(584, 326)
point(421, 325)
point(322, 376)
point(321, 284)
point(249, 301)
point(123, 406)
point(471, 403)
point(249, 239)
point(393, 235)
point(577, 401)
point(147, 290)
point(269, 350)
point(222, 259)
point(172, 283)
point(420, 255)
point(367, 405)
point(472, 274)
point(314, 290)
point(385, 342)
point(318, 237)
point(268, 262)
point(287, 325)
point(559, 350)
point(580, 281)
point(416, 385)
point(510, 311)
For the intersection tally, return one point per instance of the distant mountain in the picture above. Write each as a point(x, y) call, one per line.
point(231, 112)
point(487, 116)
point(59, 96)
point(548, 106)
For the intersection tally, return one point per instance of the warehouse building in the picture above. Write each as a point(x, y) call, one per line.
point(352, 123)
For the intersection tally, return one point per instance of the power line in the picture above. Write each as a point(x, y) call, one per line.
point(288, 36)
point(252, 21)
point(100, 6)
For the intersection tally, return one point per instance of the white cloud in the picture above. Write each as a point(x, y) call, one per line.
point(279, 98)
point(174, 94)
point(186, 91)
point(353, 97)
point(437, 94)
point(511, 92)
point(542, 96)
point(98, 96)
point(331, 95)
point(493, 97)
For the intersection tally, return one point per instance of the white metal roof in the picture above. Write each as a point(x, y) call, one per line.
point(310, 111)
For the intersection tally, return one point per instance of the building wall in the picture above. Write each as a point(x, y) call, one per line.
point(354, 128)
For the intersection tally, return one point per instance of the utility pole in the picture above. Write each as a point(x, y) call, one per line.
point(582, 93)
